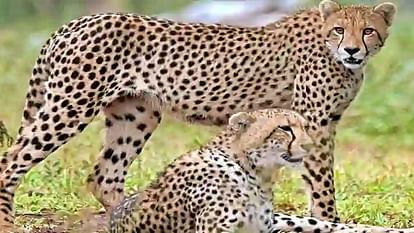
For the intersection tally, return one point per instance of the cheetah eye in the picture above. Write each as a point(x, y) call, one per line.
point(339, 30)
point(285, 128)
point(368, 31)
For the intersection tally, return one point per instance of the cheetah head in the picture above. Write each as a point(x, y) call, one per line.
point(355, 33)
point(272, 138)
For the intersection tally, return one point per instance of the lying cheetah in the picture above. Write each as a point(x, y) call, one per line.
point(227, 184)
point(133, 68)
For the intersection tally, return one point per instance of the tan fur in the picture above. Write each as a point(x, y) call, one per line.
point(354, 20)
point(226, 185)
point(201, 73)
point(186, 190)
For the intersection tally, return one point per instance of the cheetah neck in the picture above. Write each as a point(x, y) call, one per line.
point(265, 175)
point(245, 159)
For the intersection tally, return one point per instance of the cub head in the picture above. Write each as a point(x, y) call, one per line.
point(354, 33)
point(272, 137)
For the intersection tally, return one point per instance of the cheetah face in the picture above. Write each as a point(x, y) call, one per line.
point(286, 145)
point(273, 137)
point(355, 33)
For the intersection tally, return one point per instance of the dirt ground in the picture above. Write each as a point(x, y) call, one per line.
point(50, 223)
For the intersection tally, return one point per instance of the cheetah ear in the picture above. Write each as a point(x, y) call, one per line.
point(386, 10)
point(327, 8)
point(241, 121)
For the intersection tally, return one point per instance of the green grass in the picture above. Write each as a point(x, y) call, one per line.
point(374, 156)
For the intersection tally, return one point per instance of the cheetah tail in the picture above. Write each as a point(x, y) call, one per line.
point(289, 223)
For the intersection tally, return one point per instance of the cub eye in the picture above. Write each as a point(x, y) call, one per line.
point(339, 30)
point(285, 128)
point(368, 31)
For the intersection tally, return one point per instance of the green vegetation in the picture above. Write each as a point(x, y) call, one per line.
point(375, 143)
point(5, 138)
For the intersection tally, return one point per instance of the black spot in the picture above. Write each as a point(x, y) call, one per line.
point(147, 136)
point(108, 153)
point(140, 109)
point(142, 127)
point(136, 143)
point(27, 157)
point(63, 137)
point(59, 126)
point(115, 159)
point(48, 147)
point(100, 179)
point(47, 137)
point(298, 229)
point(312, 221)
point(130, 117)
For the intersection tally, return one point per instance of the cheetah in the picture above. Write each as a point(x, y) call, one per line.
point(134, 69)
point(226, 185)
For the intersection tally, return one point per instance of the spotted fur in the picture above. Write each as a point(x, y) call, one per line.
point(135, 68)
point(226, 186)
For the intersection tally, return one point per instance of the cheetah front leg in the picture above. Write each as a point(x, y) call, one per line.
point(318, 173)
point(319, 176)
point(318, 106)
point(130, 122)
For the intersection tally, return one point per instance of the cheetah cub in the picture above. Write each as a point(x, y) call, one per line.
point(226, 186)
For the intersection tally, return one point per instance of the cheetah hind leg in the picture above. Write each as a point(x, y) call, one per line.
point(48, 131)
point(35, 99)
point(130, 122)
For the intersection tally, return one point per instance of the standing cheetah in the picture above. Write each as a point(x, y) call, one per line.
point(134, 68)
point(227, 184)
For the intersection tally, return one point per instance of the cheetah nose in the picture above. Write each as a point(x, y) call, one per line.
point(351, 51)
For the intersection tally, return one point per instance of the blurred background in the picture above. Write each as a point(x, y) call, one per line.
point(60, 11)
point(375, 149)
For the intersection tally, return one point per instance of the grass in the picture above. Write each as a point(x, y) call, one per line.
point(374, 157)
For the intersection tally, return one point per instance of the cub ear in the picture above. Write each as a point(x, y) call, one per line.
point(327, 8)
point(241, 121)
point(386, 10)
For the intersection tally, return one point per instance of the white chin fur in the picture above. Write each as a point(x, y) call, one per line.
point(352, 66)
